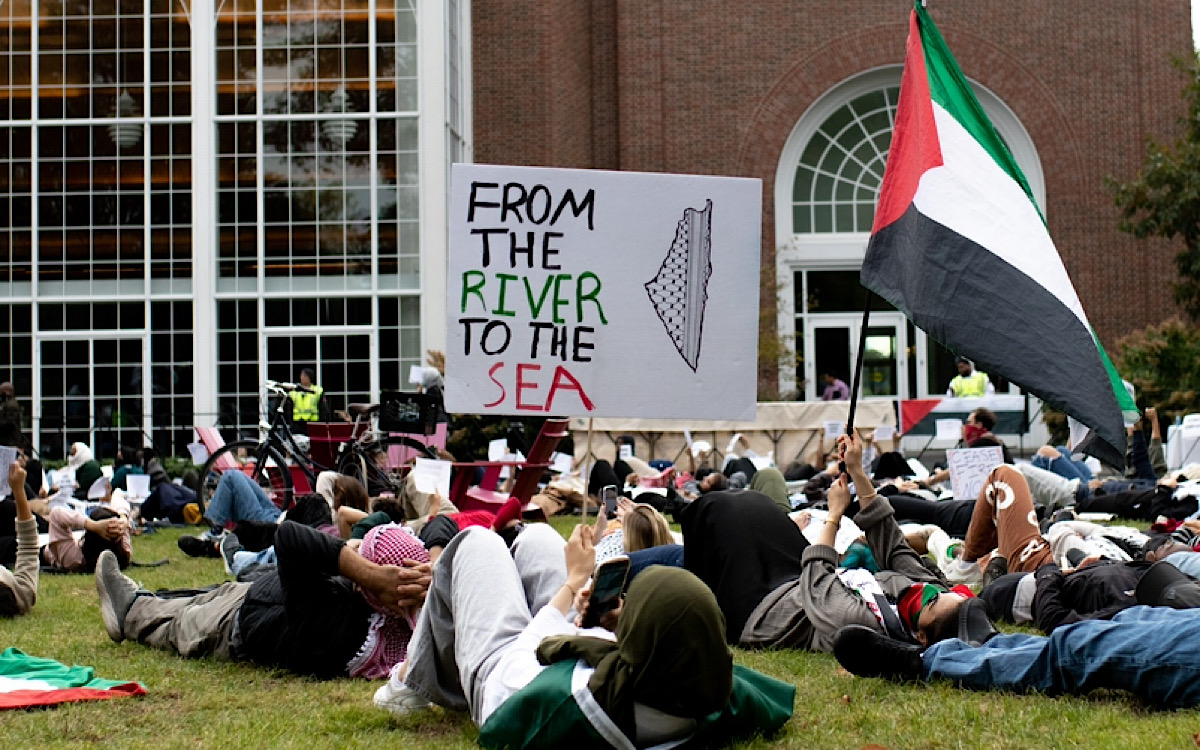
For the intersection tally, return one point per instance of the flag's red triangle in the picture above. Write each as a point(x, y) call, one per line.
point(915, 146)
point(912, 411)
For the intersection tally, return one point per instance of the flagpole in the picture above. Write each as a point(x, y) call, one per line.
point(858, 365)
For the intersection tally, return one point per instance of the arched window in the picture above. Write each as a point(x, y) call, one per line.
point(840, 171)
point(826, 188)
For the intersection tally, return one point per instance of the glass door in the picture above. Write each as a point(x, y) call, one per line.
point(341, 361)
point(91, 392)
point(831, 347)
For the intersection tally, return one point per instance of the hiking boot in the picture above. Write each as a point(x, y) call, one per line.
point(117, 593)
point(996, 567)
point(194, 546)
point(399, 701)
point(229, 546)
point(866, 653)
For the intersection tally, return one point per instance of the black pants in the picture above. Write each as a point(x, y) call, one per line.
point(8, 531)
point(953, 516)
point(1140, 505)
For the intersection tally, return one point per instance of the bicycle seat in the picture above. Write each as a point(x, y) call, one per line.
point(362, 410)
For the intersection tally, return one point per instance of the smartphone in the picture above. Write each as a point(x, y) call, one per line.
point(608, 585)
point(609, 495)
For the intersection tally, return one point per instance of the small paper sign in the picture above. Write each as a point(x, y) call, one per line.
point(884, 433)
point(199, 453)
point(432, 476)
point(833, 429)
point(561, 462)
point(969, 469)
point(949, 429)
point(99, 489)
point(7, 457)
point(414, 374)
point(625, 452)
point(138, 487)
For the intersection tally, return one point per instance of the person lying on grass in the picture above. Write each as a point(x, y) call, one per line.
point(776, 590)
point(1149, 651)
point(324, 610)
point(105, 527)
point(243, 562)
point(240, 502)
point(497, 637)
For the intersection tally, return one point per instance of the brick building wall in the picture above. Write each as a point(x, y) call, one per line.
point(707, 87)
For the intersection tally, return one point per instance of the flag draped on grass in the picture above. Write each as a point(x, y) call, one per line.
point(960, 246)
point(30, 682)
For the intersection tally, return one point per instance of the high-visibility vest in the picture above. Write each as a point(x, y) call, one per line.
point(306, 406)
point(974, 384)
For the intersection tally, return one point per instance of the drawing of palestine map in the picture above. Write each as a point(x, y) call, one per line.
point(680, 290)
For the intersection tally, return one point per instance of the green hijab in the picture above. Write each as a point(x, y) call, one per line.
point(772, 484)
point(670, 652)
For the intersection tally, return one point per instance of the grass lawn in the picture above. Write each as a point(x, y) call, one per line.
point(211, 704)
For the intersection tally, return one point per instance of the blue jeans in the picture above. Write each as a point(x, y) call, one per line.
point(239, 498)
point(243, 559)
point(665, 554)
point(1064, 466)
point(1149, 651)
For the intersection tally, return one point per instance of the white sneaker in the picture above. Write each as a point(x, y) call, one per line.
point(399, 700)
point(957, 571)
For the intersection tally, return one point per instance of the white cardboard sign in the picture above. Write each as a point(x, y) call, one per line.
point(969, 469)
point(602, 294)
point(432, 476)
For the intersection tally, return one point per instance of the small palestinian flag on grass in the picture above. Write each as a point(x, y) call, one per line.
point(960, 246)
point(32, 682)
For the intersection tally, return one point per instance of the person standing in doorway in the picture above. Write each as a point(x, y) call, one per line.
point(969, 382)
point(835, 388)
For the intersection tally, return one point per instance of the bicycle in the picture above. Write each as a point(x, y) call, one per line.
point(370, 456)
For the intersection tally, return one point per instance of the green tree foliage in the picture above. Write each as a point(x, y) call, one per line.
point(1162, 363)
point(1164, 199)
point(470, 434)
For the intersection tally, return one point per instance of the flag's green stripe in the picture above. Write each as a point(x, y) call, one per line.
point(949, 88)
point(1128, 407)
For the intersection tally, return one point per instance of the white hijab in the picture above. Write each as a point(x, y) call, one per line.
point(83, 454)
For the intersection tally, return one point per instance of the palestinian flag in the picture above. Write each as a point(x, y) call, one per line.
point(32, 682)
point(961, 247)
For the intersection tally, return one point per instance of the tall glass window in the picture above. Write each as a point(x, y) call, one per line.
point(127, 314)
point(331, 149)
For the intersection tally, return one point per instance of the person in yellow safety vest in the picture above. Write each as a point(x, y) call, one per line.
point(306, 400)
point(969, 383)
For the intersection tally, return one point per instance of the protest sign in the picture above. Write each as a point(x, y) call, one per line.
point(949, 429)
point(969, 469)
point(833, 429)
point(7, 456)
point(602, 294)
point(432, 476)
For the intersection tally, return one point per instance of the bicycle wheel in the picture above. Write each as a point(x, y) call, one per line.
point(381, 465)
point(260, 461)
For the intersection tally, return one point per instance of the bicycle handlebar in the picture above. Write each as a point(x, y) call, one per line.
point(281, 387)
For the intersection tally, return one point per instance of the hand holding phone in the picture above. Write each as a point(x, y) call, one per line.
point(608, 586)
point(609, 495)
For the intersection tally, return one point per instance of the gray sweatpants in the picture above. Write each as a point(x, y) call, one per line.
point(482, 597)
point(191, 626)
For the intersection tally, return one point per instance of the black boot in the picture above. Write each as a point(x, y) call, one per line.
point(866, 653)
point(996, 567)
